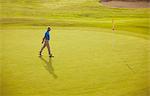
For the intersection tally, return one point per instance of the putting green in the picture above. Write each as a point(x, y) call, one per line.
point(87, 62)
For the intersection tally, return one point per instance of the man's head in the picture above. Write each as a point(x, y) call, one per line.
point(48, 29)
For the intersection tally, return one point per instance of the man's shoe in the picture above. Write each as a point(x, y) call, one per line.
point(51, 55)
point(40, 54)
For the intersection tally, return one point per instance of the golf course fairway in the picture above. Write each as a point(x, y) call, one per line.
point(89, 58)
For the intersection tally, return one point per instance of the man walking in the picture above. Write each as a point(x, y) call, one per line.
point(45, 40)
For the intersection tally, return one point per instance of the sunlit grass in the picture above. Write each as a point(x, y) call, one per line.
point(74, 13)
point(90, 59)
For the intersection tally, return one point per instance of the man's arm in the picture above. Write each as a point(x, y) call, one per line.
point(43, 39)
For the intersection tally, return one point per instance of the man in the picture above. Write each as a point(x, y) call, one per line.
point(45, 40)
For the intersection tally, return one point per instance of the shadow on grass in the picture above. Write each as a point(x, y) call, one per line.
point(49, 66)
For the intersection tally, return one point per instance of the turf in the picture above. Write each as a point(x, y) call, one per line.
point(90, 59)
point(74, 13)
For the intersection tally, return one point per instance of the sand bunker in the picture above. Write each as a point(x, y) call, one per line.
point(123, 4)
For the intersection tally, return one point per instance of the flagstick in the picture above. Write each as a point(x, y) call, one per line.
point(113, 35)
point(113, 25)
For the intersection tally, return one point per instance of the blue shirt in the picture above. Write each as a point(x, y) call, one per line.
point(47, 35)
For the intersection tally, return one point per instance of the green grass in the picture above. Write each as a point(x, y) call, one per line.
point(90, 59)
point(74, 13)
point(86, 63)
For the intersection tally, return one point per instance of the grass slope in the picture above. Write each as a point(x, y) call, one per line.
point(73, 13)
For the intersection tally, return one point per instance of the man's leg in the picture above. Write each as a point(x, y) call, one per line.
point(42, 48)
point(48, 47)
